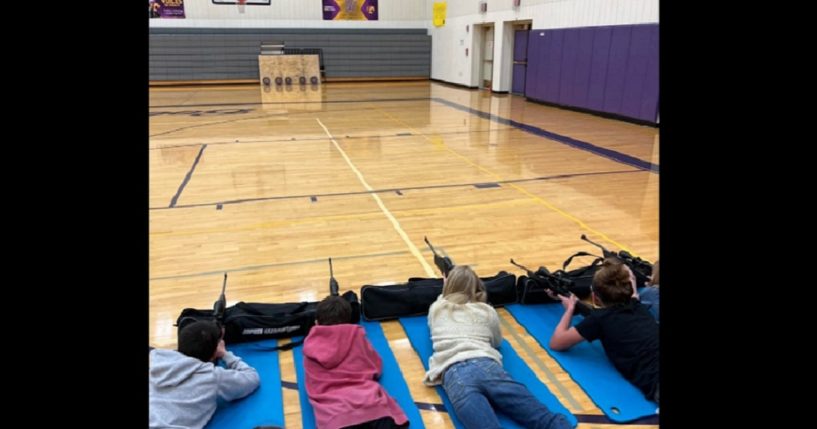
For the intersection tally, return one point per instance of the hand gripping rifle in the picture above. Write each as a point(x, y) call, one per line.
point(556, 283)
point(444, 263)
point(549, 281)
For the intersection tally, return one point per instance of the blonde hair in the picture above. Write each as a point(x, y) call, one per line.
point(463, 285)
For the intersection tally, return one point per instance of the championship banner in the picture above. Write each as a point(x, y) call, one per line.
point(166, 8)
point(350, 10)
point(439, 13)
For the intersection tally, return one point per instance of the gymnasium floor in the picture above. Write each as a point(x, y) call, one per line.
point(361, 172)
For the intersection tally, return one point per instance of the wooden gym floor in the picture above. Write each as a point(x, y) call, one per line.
point(360, 172)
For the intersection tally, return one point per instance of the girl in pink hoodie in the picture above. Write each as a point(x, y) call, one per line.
point(341, 369)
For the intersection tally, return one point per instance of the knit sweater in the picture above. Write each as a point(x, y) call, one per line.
point(460, 332)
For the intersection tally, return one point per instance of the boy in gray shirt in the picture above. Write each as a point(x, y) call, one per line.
point(185, 385)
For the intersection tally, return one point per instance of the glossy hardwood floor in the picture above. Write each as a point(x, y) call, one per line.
point(360, 172)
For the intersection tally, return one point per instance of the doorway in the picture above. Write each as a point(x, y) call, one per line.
point(517, 32)
point(482, 64)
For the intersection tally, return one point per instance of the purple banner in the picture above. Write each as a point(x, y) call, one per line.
point(166, 8)
point(350, 10)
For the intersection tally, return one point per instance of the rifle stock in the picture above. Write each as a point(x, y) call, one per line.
point(557, 284)
point(552, 282)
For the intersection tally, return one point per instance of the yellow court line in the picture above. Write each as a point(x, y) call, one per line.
point(517, 187)
point(394, 222)
point(530, 354)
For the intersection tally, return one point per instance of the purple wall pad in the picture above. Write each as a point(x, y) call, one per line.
point(570, 54)
point(649, 98)
point(553, 61)
point(617, 69)
point(598, 68)
point(636, 73)
point(584, 57)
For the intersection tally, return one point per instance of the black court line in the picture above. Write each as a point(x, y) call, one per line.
point(269, 115)
point(187, 178)
point(209, 124)
point(285, 115)
point(289, 385)
point(263, 116)
point(282, 114)
point(486, 185)
point(578, 144)
point(402, 189)
point(276, 114)
point(431, 407)
point(281, 264)
point(286, 140)
point(291, 139)
point(603, 420)
point(198, 113)
point(371, 100)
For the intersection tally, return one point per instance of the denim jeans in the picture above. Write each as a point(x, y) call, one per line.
point(477, 386)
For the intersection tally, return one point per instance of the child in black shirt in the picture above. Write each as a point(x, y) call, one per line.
point(627, 330)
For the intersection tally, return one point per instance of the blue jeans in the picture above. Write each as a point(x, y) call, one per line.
point(475, 386)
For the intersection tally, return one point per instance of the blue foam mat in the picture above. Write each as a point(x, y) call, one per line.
point(418, 333)
point(392, 379)
point(265, 406)
point(587, 365)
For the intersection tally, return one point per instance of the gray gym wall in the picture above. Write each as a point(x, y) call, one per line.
point(224, 53)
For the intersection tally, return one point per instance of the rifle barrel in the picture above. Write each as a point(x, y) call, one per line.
point(429, 245)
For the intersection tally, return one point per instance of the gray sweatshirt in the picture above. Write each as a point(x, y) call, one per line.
point(184, 390)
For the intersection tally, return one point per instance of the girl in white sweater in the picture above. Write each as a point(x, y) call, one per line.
point(465, 333)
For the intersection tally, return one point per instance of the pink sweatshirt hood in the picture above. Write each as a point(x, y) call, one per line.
point(341, 369)
point(330, 345)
